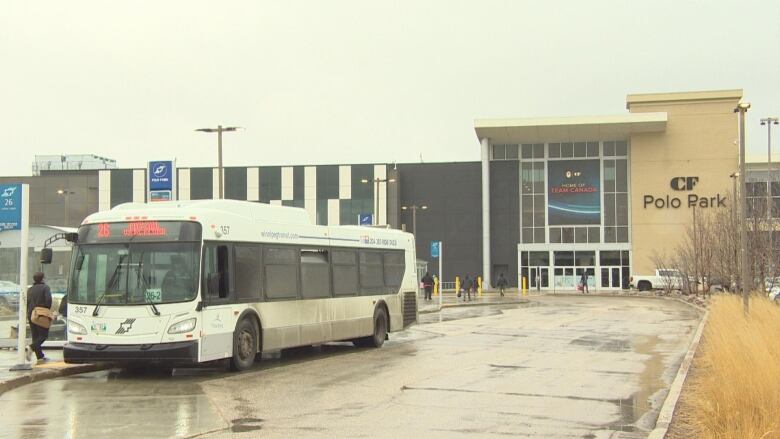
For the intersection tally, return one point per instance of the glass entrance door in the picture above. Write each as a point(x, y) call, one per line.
point(539, 277)
point(611, 277)
point(614, 270)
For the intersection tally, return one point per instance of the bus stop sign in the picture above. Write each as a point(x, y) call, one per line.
point(435, 249)
point(10, 207)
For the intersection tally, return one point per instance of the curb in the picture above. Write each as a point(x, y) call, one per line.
point(459, 305)
point(670, 403)
point(49, 374)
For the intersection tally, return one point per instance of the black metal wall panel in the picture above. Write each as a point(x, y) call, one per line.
point(328, 182)
point(270, 183)
point(299, 185)
point(201, 183)
point(235, 183)
point(452, 192)
point(121, 186)
point(504, 218)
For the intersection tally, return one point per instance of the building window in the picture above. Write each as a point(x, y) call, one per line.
point(756, 201)
point(507, 152)
point(615, 198)
point(616, 148)
point(532, 151)
point(533, 202)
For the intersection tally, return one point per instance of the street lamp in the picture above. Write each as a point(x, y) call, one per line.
point(769, 121)
point(376, 197)
point(742, 108)
point(414, 209)
point(66, 193)
point(219, 130)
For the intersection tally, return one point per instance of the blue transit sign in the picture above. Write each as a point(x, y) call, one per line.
point(365, 219)
point(435, 249)
point(161, 175)
point(10, 206)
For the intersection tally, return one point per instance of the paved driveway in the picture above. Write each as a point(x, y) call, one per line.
point(559, 367)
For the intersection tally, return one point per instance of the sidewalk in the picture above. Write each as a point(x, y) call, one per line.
point(54, 368)
point(513, 296)
point(488, 298)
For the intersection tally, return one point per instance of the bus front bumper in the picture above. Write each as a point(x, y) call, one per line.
point(184, 353)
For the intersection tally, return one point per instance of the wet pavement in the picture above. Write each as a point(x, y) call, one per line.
point(587, 367)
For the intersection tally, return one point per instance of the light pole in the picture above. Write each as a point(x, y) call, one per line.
point(734, 176)
point(734, 224)
point(376, 197)
point(769, 121)
point(67, 193)
point(742, 108)
point(219, 130)
point(414, 209)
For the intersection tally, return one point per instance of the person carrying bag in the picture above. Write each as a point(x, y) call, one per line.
point(38, 315)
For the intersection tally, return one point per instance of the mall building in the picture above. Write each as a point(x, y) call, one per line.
point(550, 198)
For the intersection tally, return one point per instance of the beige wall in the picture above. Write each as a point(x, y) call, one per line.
point(698, 142)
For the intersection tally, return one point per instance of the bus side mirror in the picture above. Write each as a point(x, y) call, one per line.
point(46, 255)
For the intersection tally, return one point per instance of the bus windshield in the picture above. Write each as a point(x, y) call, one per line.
point(134, 273)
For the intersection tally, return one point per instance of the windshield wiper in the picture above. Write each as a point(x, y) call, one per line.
point(141, 280)
point(111, 283)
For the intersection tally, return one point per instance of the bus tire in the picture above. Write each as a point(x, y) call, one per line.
point(644, 285)
point(244, 345)
point(380, 331)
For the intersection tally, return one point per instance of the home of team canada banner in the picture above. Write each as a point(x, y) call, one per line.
point(682, 184)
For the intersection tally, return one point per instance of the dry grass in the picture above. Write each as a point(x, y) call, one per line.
point(736, 390)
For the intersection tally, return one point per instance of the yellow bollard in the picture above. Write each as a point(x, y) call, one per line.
point(479, 286)
point(457, 286)
point(435, 286)
point(525, 286)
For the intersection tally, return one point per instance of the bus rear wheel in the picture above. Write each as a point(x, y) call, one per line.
point(380, 331)
point(244, 345)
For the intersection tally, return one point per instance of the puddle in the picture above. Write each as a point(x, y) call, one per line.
point(244, 425)
point(468, 312)
point(648, 400)
point(640, 411)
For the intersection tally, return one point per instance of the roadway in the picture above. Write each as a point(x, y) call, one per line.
point(572, 366)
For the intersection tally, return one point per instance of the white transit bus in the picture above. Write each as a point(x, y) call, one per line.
point(195, 281)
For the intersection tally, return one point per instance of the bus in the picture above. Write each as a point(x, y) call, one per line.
point(188, 282)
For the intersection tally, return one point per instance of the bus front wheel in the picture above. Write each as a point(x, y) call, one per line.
point(244, 345)
point(380, 331)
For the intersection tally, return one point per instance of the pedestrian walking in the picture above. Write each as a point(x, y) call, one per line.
point(584, 282)
point(38, 315)
point(468, 284)
point(501, 283)
point(427, 282)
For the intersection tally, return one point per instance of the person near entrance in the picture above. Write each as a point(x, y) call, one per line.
point(468, 284)
point(427, 282)
point(584, 282)
point(501, 284)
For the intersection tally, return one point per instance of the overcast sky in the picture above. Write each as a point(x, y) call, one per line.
point(354, 81)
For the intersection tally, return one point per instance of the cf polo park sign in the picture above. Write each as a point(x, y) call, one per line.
point(683, 184)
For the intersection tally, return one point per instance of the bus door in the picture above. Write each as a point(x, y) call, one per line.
point(218, 320)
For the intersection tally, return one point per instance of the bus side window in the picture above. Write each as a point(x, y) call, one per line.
point(215, 272)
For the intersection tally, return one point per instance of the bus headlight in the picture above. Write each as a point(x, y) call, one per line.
point(76, 328)
point(183, 326)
